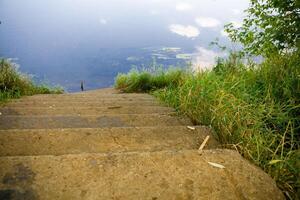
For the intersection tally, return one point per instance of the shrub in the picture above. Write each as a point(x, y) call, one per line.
point(14, 84)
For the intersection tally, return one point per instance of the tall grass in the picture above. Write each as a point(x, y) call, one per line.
point(14, 84)
point(254, 109)
point(149, 80)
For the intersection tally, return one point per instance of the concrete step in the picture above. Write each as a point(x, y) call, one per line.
point(93, 103)
point(98, 93)
point(70, 97)
point(148, 175)
point(89, 121)
point(83, 110)
point(94, 95)
point(87, 140)
point(110, 90)
point(83, 99)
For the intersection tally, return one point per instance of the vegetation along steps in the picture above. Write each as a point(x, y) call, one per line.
point(104, 144)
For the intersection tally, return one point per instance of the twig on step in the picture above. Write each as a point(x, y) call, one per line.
point(203, 144)
point(191, 127)
point(114, 107)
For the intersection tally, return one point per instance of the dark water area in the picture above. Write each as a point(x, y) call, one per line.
point(61, 42)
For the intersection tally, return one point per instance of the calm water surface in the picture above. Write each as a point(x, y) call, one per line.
point(65, 41)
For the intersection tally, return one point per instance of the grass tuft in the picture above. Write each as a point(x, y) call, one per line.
point(144, 81)
point(14, 84)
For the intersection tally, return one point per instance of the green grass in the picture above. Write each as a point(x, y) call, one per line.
point(141, 81)
point(254, 109)
point(14, 84)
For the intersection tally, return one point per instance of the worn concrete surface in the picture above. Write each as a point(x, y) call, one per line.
point(136, 175)
point(92, 140)
point(102, 144)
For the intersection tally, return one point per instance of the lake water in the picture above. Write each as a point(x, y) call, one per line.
point(62, 42)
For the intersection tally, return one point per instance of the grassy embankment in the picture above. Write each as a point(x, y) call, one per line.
point(14, 84)
point(254, 109)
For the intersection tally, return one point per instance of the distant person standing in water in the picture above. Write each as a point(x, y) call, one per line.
point(81, 85)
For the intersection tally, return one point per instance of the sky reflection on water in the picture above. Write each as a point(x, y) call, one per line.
point(65, 41)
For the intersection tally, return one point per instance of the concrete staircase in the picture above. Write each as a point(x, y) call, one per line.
point(106, 145)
